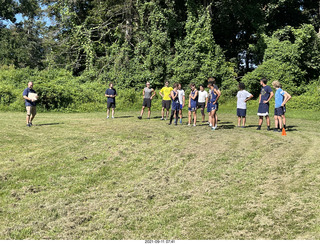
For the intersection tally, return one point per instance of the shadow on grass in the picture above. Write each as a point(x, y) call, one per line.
point(226, 127)
point(291, 128)
point(49, 124)
point(124, 117)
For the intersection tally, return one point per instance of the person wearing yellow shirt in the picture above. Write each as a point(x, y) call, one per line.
point(166, 100)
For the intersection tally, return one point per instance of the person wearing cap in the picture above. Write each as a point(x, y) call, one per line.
point(148, 94)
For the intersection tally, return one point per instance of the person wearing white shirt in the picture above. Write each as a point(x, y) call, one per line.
point(202, 101)
point(182, 99)
point(242, 97)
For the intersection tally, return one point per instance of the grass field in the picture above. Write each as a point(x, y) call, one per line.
point(80, 176)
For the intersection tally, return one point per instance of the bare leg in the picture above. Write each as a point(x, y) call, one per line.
point(195, 117)
point(189, 117)
point(108, 112)
point(260, 120)
point(213, 117)
point(268, 120)
point(32, 117)
point(149, 112)
point(167, 115)
point(216, 122)
point(239, 120)
point(28, 119)
point(112, 112)
point(162, 112)
point(243, 121)
point(280, 122)
point(142, 110)
point(284, 120)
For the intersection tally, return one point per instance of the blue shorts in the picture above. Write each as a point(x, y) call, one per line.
point(263, 109)
point(180, 106)
point(209, 107)
point(279, 111)
point(241, 112)
point(192, 109)
point(214, 107)
point(175, 106)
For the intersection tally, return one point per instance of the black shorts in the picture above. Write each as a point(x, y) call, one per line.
point(111, 105)
point(241, 112)
point(146, 102)
point(201, 105)
point(279, 111)
point(166, 104)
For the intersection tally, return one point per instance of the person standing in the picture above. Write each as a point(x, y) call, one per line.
point(193, 100)
point(166, 100)
point(30, 97)
point(214, 96)
point(148, 94)
point(281, 98)
point(213, 81)
point(242, 97)
point(202, 101)
point(182, 99)
point(175, 104)
point(111, 94)
point(265, 95)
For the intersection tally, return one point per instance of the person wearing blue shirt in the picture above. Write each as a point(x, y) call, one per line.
point(265, 95)
point(214, 96)
point(111, 94)
point(193, 103)
point(30, 97)
point(281, 98)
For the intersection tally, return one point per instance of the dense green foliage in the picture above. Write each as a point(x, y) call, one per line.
point(90, 43)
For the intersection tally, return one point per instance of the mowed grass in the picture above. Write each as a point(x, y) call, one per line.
point(80, 176)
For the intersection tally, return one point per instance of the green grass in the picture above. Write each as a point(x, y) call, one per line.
point(80, 176)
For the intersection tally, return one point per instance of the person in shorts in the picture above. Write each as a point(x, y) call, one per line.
point(213, 81)
point(30, 97)
point(182, 99)
point(148, 94)
point(202, 101)
point(166, 100)
point(242, 97)
point(111, 94)
point(284, 112)
point(214, 96)
point(175, 104)
point(193, 103)
point(281, 98)
point(266, 94)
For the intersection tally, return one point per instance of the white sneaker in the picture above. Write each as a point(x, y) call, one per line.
point(210, 125)
point(194, 125)
point(112, 117)
point(107, 117)
point(188, 124)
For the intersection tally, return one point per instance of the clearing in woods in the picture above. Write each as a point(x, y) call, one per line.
point(81, 176)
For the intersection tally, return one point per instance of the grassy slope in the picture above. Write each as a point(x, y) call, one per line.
point(80, 176)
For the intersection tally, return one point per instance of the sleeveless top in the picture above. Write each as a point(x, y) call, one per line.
point(213, 96)
point(193, 101)
point(147, 92)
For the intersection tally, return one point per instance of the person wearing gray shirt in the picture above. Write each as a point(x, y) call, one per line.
point(148, 94)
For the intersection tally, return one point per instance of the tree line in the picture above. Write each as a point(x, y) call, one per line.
point(130, 42)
